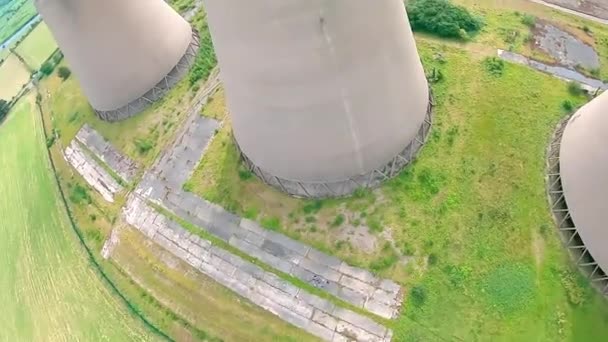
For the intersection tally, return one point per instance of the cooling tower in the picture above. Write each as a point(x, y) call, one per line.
point(580, 185)
point(126, 54)
point(325, 96)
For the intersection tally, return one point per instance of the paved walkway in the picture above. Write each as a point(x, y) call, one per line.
point(589, 84)
point(573, 12)
point(123, 166)
point(93, 173)
point(298, 307)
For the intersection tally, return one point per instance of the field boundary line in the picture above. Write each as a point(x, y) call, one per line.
point(96, 266)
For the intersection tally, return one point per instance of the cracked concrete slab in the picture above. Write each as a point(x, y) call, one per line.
point(93, 173)
point(122, 165)
point(309, 312)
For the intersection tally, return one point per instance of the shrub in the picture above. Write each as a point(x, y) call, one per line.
point(272, 223)
point(47, 68)
point(575, 294)
point(4, 108)
point(432, 259)
point(80, 195)
point(384, 262)
point(312, 207)
point(205, 59)
point(435, 76)
point(494, 65)
point(143, 145)
point(418, 296)
point(63, 72)
point(567, 105)
point(50, 141)
point(338, 220)
point(442, 18)
point(245, 174)
point(528, 20)
point(586, 29)
point(575, 89)
point(374, 224)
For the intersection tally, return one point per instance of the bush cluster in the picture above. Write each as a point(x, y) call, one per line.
point(4, 108)
point(443, 18)
point(494, 65)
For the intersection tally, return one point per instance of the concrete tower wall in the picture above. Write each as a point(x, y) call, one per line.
point(320, 91)
point(119, 50)
point(584, 175)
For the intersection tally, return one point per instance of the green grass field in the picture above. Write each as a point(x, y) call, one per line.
point(37, 46)
point(13, 15)
point(48, 290)
point(13, 75)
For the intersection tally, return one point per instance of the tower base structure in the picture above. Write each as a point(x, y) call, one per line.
point(178, 72)
point(567, 229)
point(343, 188)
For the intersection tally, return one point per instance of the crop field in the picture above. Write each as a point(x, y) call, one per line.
point(13, 75)
point(13, 15)
point(49, 292)
point(466, 229)
point(37, 46)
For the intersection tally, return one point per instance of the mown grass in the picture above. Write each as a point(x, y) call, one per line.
point(13, 75)
point(45, 274)
point(37, 47)
point(472, 211)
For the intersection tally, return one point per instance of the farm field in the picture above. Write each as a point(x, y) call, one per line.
point(37, 46)
point(48, 289)
point(13, 15)
point(13, 75)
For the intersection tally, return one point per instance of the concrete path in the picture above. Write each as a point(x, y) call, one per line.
point(123, 166)
point(93, 173)
point(573, 12)
point(163, 186)
point(296, 306)
point(589, 84)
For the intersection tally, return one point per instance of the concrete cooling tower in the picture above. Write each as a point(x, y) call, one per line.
point(326, 96)
point(578, 184)
point(126, 54)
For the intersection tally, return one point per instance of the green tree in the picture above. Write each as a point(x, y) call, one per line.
point(64, 72)
point(4, 108)
point(443, 18)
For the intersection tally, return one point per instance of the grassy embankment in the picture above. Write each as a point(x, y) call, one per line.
point(13, 75)
point(49, 289)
